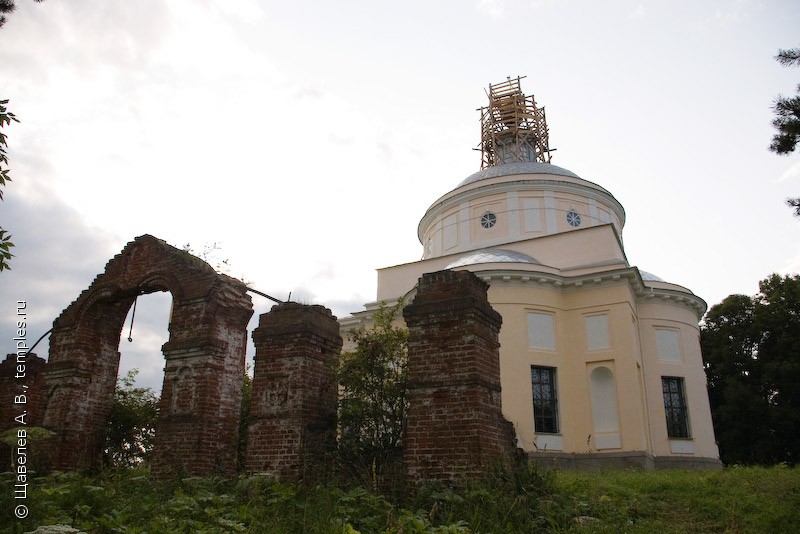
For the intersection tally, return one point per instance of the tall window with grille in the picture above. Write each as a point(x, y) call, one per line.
point(545, 400)
point(675, 407)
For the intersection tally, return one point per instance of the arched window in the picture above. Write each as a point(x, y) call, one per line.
point(604, 401)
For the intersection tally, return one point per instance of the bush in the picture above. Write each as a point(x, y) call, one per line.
point(131, 426)
point(373, 382)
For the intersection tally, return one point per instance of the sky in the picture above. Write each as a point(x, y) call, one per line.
point(303, 141)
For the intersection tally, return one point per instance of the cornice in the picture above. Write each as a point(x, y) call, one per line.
point(644, 293)
point(675, 295)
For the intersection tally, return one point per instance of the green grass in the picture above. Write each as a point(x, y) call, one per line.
point(738, 499)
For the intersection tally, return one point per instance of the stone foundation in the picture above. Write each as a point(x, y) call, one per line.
point(621, 460)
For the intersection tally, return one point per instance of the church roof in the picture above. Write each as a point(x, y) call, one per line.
point(650, 277)
point(525, 167)
point(494, 255)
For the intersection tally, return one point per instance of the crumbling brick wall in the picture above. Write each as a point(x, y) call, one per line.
point(455, 427)
point(196, 432)
point(292, 427)
point(28, 388)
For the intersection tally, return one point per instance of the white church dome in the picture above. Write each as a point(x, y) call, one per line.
point(520, 167)
point(496, 255)
point(650, 277)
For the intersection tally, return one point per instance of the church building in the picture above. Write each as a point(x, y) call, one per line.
point(600, 361)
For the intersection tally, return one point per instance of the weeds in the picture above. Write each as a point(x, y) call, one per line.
point(527, 499)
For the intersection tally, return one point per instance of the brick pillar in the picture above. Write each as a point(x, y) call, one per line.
point(198, 423)
point(80, 377)
point(293, 408)
point(22, 379)
point(455, 426)
point(22, 393)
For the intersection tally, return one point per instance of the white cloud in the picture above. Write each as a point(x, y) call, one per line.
point(792, 172)
point(734, 12)
point(792, 265)
point(246, 10)
point(493, 8)
point(638, 12)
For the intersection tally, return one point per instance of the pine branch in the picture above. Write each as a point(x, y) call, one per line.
point(788, 57)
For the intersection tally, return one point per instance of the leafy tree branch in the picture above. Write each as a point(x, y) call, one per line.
point(6, 118)
point(6, 7)
point(373, 385)
point(131, 426)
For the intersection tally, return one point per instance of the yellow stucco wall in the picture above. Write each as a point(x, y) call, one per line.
point(656, 313)
point(609, 397)
point(573, 360)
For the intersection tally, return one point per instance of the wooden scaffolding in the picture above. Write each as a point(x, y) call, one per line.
point(513, 127)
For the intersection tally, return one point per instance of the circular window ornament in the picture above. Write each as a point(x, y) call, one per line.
point(488, 219)
point(573, 218)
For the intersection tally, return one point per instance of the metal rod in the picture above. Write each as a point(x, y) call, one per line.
point(273, 299)
point(37, 342)
point(133, 316)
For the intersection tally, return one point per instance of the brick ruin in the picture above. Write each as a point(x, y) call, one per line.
point(203, 373)
point(293, 407)
point(11, 387)
point(454, 428)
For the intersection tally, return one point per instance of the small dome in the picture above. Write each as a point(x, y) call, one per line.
point(526, 167)
point(650, 277)
point(496, 255)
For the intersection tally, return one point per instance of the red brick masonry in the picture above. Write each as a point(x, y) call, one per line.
point(293, 412)
point(455, 427)
point(196, 432)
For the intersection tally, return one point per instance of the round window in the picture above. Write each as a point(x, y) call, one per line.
point(488, 219)
point(573, 218)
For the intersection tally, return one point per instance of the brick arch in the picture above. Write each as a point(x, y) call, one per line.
point(207, 341)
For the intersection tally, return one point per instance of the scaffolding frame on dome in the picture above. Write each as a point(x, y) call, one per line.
point(513, 128)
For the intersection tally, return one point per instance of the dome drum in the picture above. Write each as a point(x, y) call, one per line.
point(513, 202)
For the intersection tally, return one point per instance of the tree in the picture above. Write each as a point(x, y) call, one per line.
point(6, 7)
point(729, 343)
point(751, 347)
point(777, 320)
point(373, 382)
point(131, 426)
point(787, 118)
point(6, 117)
